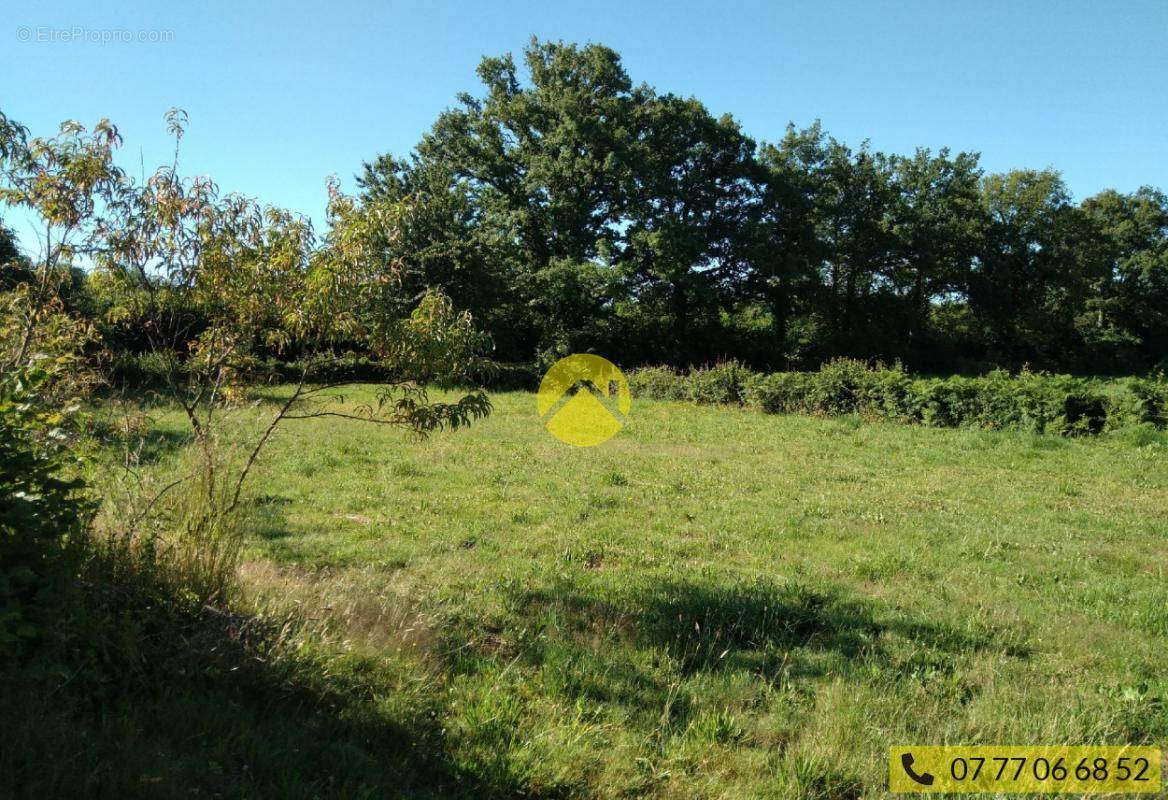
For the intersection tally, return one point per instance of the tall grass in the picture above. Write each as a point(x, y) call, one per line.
point(172, 513)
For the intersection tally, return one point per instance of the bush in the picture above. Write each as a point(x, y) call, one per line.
point(138, 370)
point(721, 383)
point(947, 403)
point(658, 383)
point(42, 514)
point(1073, 406)
point(514, 377)
point(1150, 400)
point(890, 393)
point(839, 387)
point(998, 400)
point(779, 392)
point(44, 511)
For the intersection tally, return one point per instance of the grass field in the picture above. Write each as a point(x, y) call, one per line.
point(715, 603)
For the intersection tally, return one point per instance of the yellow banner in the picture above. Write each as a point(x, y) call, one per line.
point(1024, 768)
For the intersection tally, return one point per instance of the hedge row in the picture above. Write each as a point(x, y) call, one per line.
point(149, 371)
point(1027, 401)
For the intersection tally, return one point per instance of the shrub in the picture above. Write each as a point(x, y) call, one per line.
point(721, 383)
point(1075, 406)
point(1041, 403)
point(1150, 399)
point(42, 515)
point(840, 387)
point(1085, 412)
point(947, 403)
point(779, 392)
point(998, 400)
point(1038, 403)
point(43, 510)
point(139, 370)
point(513, 377)
point(657, 383)
point(891, 394)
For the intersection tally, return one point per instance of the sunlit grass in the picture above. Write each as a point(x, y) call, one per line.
point(720, 603)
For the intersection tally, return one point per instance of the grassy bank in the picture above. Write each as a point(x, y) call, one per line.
point(715, 603)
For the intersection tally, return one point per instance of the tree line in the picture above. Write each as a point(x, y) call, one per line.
point(571, 210)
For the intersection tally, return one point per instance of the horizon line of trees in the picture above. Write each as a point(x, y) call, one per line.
point(571, 210)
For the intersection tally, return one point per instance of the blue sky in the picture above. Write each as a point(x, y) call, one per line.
point(280, 96)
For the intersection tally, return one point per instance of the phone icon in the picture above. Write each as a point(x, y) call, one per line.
point(906, 761)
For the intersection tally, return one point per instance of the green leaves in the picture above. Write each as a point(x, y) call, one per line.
point(571, 210)
point(64, 178)
point(40, 511)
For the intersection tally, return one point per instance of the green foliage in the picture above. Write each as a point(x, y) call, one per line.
point(139, 370)
point(43, 513)
point(571, 209)
point(840, 387)
point(199, 293)
point(780, 392)
point(1127, 317)
point(1151, 399)
point(513, 377)
point(720, 383)
point(658, 383)
point(574, 210)
point(1036, 402)
point(724, 382)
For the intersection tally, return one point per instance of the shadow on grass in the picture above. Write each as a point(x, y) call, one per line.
point(267, 516)
point(656, 652)
point(632, 647)
point(155, 698)
point(158, 697)
point(162, 443)
point(148, 448)
point(762, 627)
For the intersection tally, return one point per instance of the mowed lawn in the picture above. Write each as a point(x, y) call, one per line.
point(716, 602)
